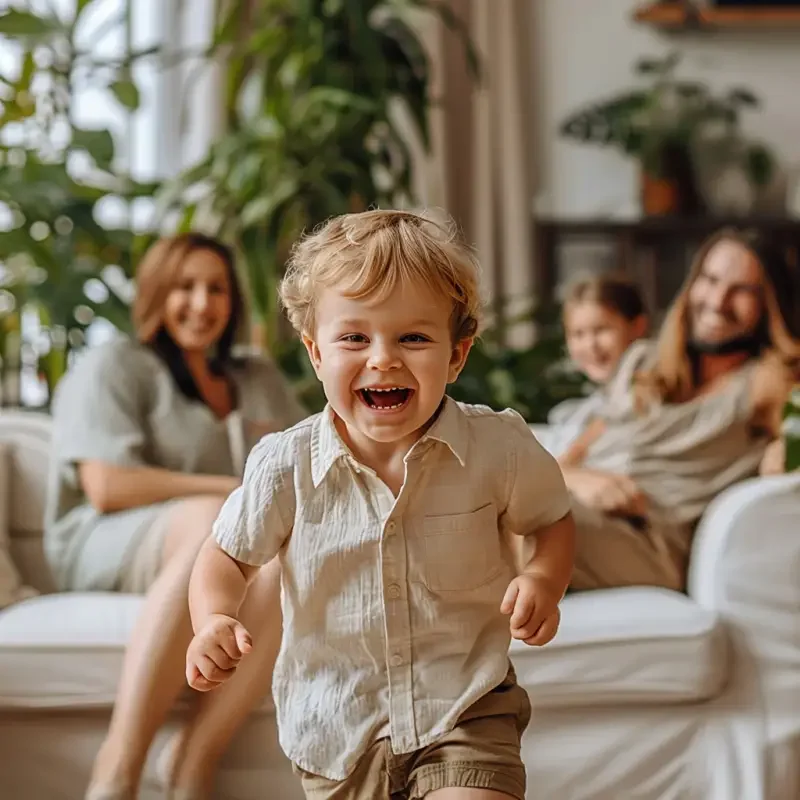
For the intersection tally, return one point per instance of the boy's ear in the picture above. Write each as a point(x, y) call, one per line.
point(313, 352)
point(640, 326)
point(458, 357)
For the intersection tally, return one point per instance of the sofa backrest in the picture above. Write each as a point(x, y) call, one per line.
point(25, 435)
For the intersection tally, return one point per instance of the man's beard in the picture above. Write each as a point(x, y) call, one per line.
point(745, 343)
point(749, 343)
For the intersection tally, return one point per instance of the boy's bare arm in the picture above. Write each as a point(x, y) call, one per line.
point(216, 590)
point(554, 554)
point(218, 584)
point(532, 598)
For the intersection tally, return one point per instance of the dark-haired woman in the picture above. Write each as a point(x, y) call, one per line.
point(149, 439)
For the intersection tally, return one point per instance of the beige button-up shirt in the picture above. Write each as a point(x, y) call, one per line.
point(391, 605)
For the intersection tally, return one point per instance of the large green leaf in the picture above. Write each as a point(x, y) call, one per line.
point(99, 144)
point(127, 93)
point(15, 23)
point(259, 209)
point(82, 5)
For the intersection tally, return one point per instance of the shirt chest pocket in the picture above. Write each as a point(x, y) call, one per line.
point(462, 551)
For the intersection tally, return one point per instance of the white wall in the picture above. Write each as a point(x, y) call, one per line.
point(585, 49)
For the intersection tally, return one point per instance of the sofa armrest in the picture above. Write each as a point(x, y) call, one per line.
point(745, 565)
point(746, 554)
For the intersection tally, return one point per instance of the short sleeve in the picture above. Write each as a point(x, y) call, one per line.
point(100, 406)
point(257, 518)
point(536, 493)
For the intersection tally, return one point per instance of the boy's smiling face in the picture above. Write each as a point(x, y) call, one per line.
point(385, 362)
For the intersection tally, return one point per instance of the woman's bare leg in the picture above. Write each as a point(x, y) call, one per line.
point(153, 671)
point(198, 748)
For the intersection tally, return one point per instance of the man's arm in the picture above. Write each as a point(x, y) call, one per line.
point(575, 454)
point(771, 384)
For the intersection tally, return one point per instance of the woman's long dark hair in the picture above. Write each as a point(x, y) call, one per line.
point(156, 276)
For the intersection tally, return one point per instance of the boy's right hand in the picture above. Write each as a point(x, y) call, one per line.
point(216, 651)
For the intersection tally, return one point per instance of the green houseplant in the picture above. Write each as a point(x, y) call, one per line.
point(668, 125)
point(531, 380)
point(791, 430)
point(52, 245)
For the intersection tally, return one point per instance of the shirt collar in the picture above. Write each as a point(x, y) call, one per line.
point(452, 429)
point(327, 448)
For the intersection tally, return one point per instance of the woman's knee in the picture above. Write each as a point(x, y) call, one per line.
point(189, 524)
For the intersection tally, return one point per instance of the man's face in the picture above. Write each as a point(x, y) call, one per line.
point(726, 299)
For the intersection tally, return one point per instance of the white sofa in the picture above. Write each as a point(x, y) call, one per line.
point(644, 694)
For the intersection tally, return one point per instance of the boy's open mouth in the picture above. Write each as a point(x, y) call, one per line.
point(386, 399)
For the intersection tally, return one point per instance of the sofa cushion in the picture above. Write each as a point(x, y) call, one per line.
point(64, 651)
point(631, 645)
point(26, 435)
point(12, 589)
point(618, 646)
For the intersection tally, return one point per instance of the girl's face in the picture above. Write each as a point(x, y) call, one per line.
point(597, 337)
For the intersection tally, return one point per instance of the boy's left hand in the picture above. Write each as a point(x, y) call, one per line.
point(532, 601)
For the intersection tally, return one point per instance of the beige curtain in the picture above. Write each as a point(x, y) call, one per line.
point(481, 169)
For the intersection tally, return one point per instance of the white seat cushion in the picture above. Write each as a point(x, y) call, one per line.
point(618, 646)
point(62, 651)
point(626, 646)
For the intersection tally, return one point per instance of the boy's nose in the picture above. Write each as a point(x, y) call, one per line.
point(383, 357)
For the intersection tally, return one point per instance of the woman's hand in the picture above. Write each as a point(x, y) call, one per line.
point(606, 491)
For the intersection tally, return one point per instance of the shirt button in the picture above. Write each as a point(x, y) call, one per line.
point(397, 660)
point(393, 591)
point(391, 527)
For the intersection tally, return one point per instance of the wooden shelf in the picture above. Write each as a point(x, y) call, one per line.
point(677, 17)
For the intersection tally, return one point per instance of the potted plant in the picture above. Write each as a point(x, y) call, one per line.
point(670, 125)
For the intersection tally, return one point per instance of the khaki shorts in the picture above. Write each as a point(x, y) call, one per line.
point(481, 752)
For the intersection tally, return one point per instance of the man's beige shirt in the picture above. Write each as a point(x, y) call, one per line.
point(391, 606)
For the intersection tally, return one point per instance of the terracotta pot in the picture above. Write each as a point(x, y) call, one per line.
point(659, 196)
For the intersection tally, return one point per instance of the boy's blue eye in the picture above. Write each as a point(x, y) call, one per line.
point(353, 338)
point(415, 338)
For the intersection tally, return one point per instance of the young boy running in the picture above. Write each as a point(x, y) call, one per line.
point(390, 513)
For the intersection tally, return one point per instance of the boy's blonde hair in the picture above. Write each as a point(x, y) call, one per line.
point(371, 253)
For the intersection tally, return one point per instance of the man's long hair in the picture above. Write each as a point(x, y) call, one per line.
point(672, 378)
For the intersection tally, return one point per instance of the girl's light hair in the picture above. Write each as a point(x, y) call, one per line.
point(616, 293)
point(370, 254)
point(671, 378)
